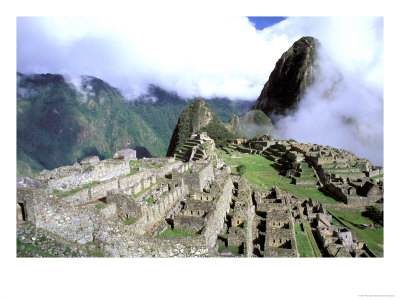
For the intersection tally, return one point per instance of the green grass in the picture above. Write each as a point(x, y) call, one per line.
point(129, 221)
point(377, 176)
point(142, 192)
point(150, 201)
point(373, 237)
point(303, 245)
point(311, 240)
point(100, 205)
point(234, 249)
point(307, 169)
point(221, 247)
point(96, 252)
point(306, 178)
point(256, 164)
point(29, 250)
point(63, 194)
point(352, 216)
point(133, 171)
point(175, 232)
point(135, 164)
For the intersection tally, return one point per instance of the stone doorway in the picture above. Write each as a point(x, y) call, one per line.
point(21, 214)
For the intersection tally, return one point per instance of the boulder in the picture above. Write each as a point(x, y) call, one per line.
point(91, 160)
point(25, 182)
point(126, 154)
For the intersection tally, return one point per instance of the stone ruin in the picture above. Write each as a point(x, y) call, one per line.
point(126, 205)
point(123, 203)
point(198, 147)
point(279, 240)
point(338, 172)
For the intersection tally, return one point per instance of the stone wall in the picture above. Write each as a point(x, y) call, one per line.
point(69, 223)
point(155, 212)
point(127, 244)
point(300, 181)
point(135, 183)
point(77, 198)
point(34, 202)
point(103, 171)
point(215, 222)
point(350, 176)
point(202, 174)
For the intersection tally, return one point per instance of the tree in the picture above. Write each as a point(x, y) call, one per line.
point(374, 214)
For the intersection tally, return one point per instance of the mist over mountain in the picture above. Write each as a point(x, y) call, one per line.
point(225, 60)
point(59, 121)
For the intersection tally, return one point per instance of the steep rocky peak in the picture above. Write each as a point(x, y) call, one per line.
point(194, 117)
point(201, 113)
point(292, 74)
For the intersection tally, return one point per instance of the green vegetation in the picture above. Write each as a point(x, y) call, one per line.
point(142, 192)
point(305, 178)
point(257, 165)
point(241, 169)
point(134, 165)
point(352, 220)
point(100, 205)
point(234, 249)
point(374, 214)
point(175, 232)
point(218, 132)
point(129, 221)
point(27, 250)
point(150, 201)
point(377, 176)
point(195, 115)
point(96, 252)
point(57, 125)
point(250, 124)
point(133, 171)
point(63, 194)
point(311, 240)
point(303, 245)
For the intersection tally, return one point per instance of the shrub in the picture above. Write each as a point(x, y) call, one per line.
point(242, 169)
point(374, 214)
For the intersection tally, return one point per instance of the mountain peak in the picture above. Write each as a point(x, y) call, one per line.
point(195, 117)
point(293, 72)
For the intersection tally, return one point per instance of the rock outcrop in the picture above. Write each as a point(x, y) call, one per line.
point(250, 124)
point(293, 73)
point(126, 154)
point(196, 117)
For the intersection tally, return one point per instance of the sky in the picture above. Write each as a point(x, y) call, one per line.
point(224, 56)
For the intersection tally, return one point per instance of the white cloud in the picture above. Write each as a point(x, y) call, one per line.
point(220, 56)
point(352, 116)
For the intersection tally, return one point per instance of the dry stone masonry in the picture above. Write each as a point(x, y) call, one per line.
point(194, 206)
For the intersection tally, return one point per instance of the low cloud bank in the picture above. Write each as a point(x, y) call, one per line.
point(225, 57)
point(344, 107)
